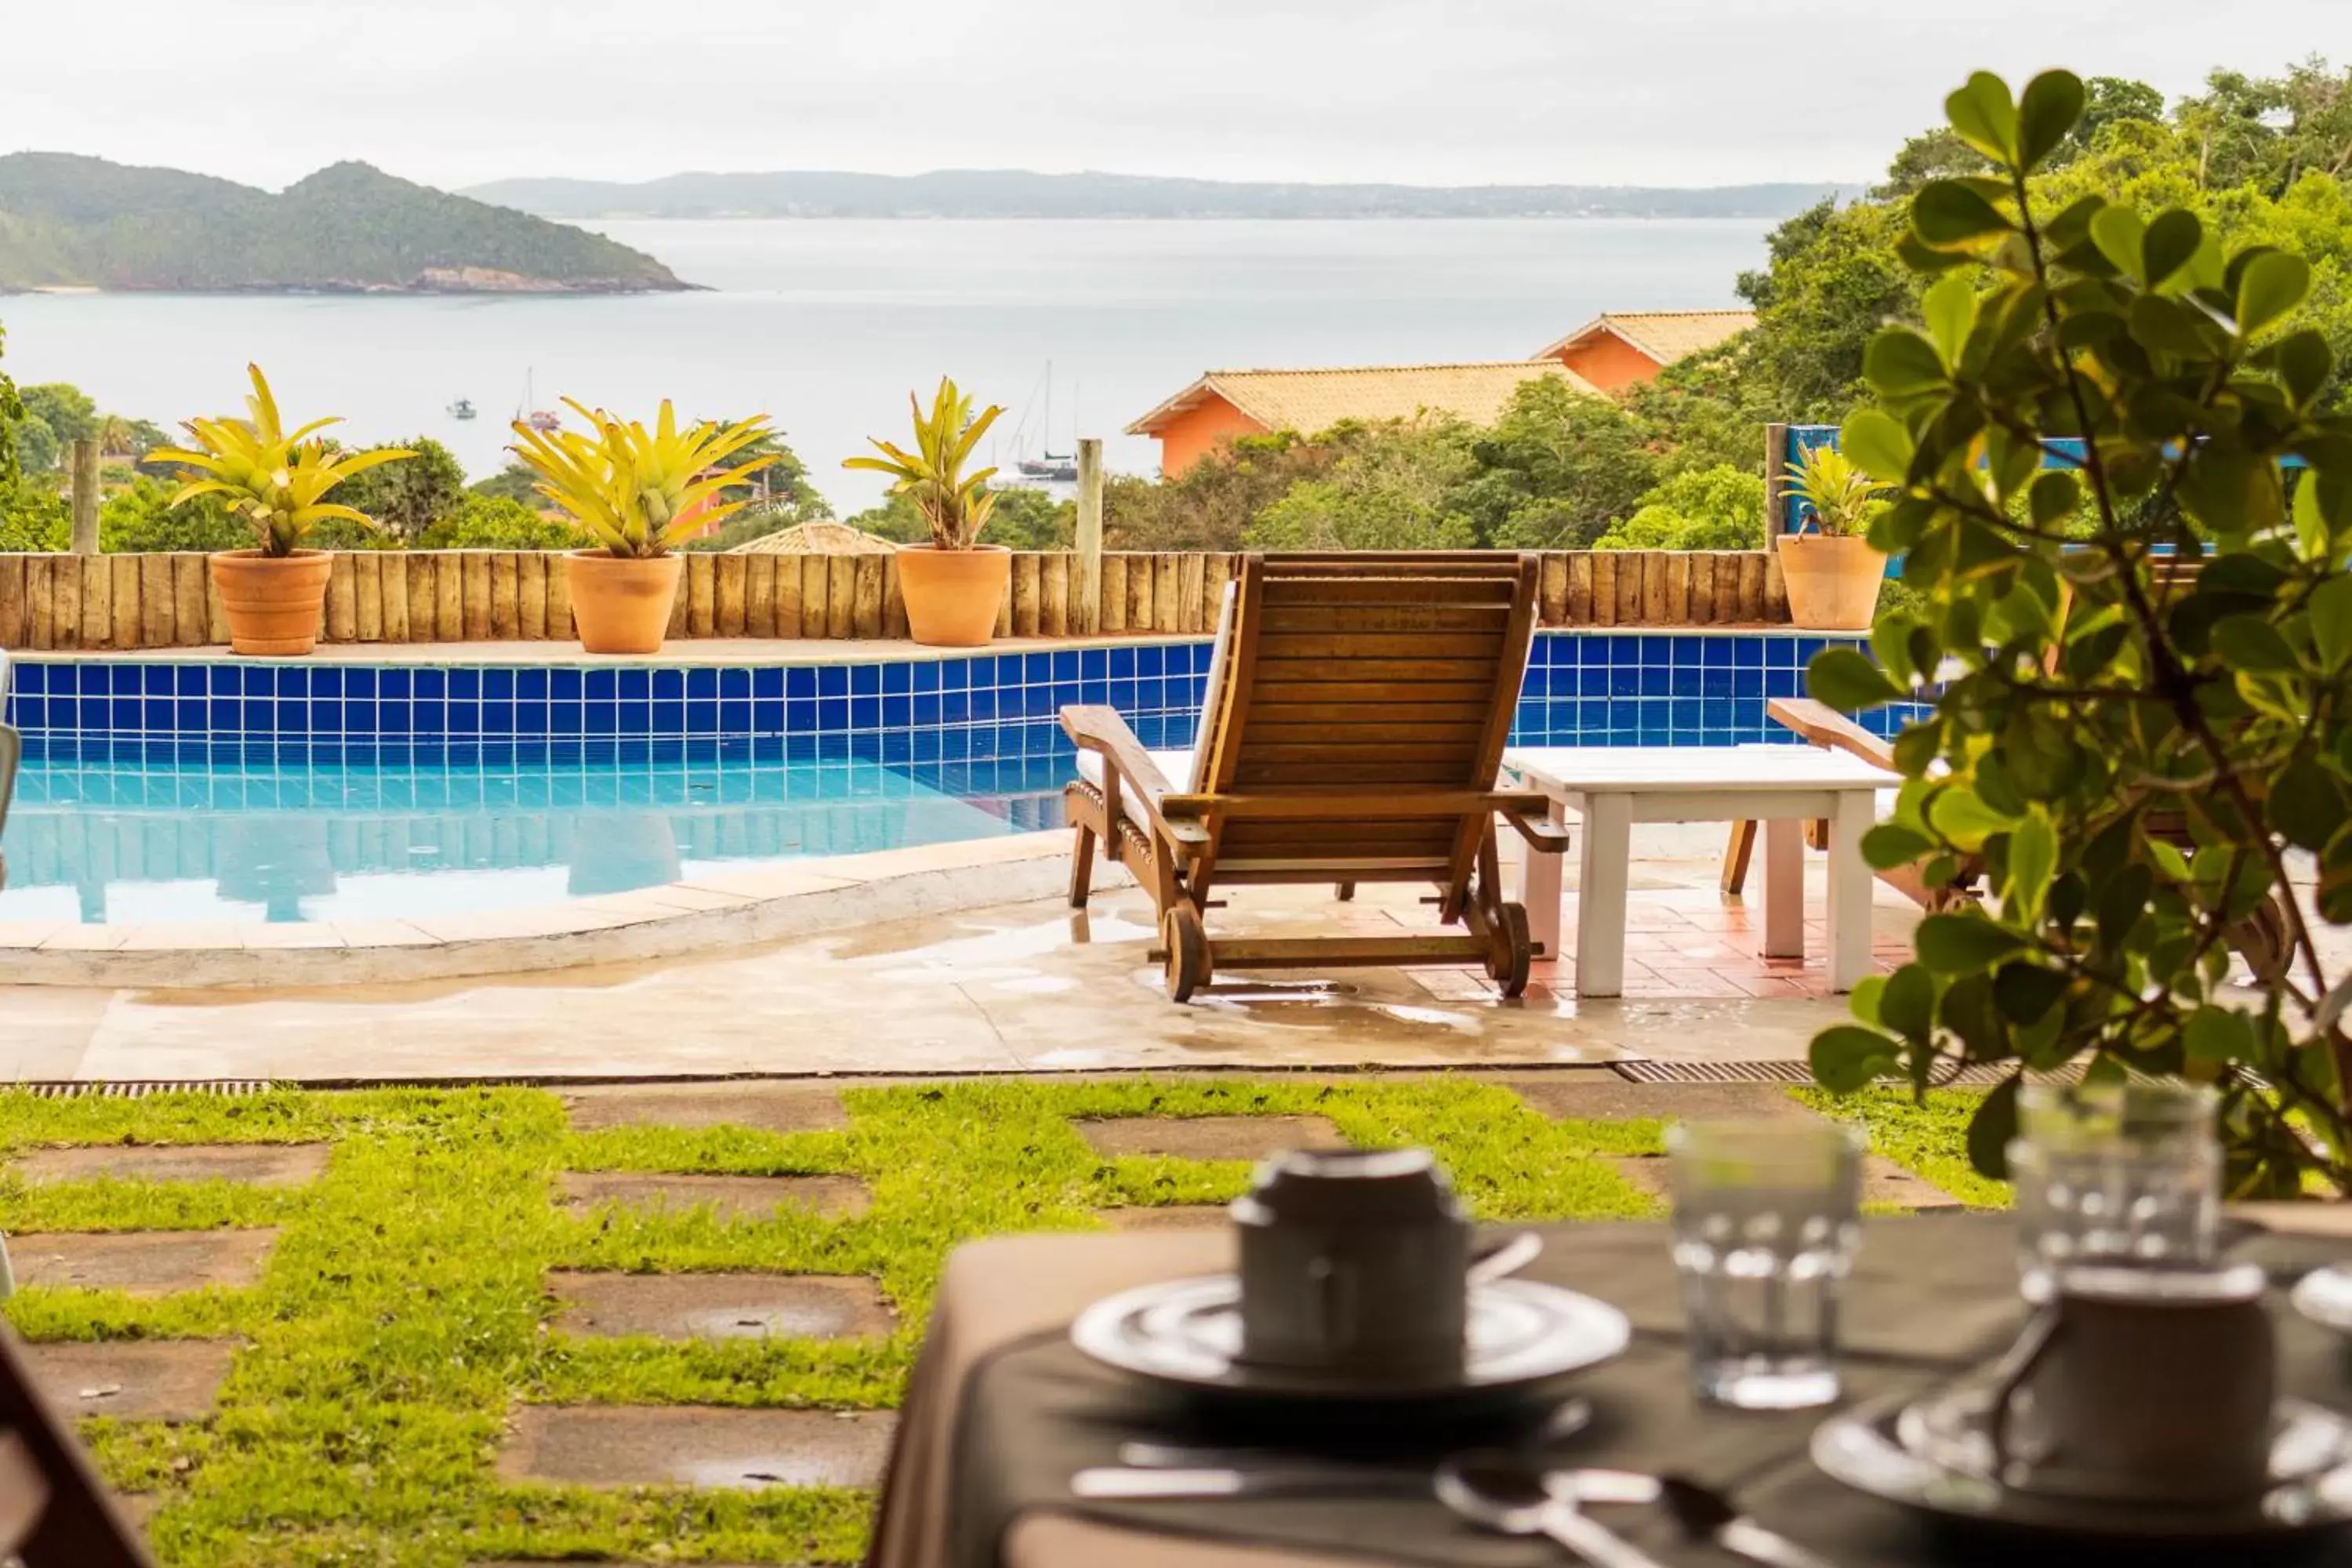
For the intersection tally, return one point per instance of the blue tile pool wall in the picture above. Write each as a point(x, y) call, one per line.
point(1581, 689)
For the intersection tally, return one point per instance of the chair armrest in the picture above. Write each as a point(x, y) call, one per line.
point(1825, 726)
point(1127, 768)
point(1542, 834)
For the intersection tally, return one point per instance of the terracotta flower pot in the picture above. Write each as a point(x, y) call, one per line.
point(622, 602)
point(1832, 581)
point(953, 596)
point(274, 602)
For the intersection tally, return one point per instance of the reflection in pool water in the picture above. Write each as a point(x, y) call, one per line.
point(136, 841)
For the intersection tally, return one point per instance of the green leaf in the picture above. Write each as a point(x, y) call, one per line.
point(1950, 309)
point(2033, 861)
point(1875, 440)
point(1992, 1128)
point(1983, 114)
point(2122, 238)
point(1960, 815)
point(2120, 900)
point(2047, 110)
point(1846, 1056)
point(2303, 361)
point(2331, 621)
point(1945, 212)
point(2251, 644)
point(1907, 1005)
point(1889, 845)
point(2165, 326)
point(2172, 241)
point(2274, 283)
point(2306, 804)
point(1964, 943)
point(2053, 498)
point(2026, 991)
point(1849, 682)
point(2217, 1035)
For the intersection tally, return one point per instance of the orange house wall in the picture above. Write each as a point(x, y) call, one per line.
point(1192, 434)
point(1609, 362)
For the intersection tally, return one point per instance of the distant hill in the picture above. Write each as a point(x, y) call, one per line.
point(74, 222)
point(1016, 194)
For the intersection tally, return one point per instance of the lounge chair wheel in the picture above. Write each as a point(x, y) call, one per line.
point(1187, 941)
point(1514, 949)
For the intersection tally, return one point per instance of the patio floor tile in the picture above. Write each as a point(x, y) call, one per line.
point(1605, 1097)
point(1167, 1216)
point(142, 1262)
point(721, 1306)
point(1883, 1182)
point(143, 1380)
point(697, 1446)
point(1209, 1136)
point(254, 1164)
point(737, 1198)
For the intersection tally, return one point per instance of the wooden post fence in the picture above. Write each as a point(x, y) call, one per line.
point(85, 497)
point(1090, 536)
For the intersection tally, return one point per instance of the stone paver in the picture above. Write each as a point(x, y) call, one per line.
point(1605, 1097)
point(142, 1262)
point(1883, 1182)
point(698, 1445)
point(729, 1197)
point(144, 1380)
point(767, 1106)
point(721, 1306)
point(1209, 1136)
point(1167, 1216)
point(253, 1164)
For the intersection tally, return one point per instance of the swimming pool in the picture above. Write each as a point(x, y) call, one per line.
point(160, 790)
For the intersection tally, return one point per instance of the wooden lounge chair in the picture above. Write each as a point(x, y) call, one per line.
point(1355, 715)
point(12, 748)
point(54, 1512)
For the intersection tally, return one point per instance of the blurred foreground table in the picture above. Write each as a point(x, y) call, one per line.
point(1002, 1411)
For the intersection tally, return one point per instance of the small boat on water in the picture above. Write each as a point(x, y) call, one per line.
point(462, 409)
point(1050, 466)
point(538, 419)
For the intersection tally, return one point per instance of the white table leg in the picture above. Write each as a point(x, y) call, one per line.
point(1784, 887)
point(1539, 891)
point(1606, 865)
point(1850, 891)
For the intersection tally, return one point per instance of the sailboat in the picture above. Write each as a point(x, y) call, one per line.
point(1048, 466)
point(538, 419)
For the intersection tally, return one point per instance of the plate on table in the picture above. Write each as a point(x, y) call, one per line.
point(1187, 1334)
point(1934, 1457)
point(2324, 1296)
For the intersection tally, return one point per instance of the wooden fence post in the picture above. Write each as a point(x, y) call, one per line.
point(1090, 541)
point(85, 497)
point(1776, 483)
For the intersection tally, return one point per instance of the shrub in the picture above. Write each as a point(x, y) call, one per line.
point(1721, 507)
point(494, 522)
point(33, 516)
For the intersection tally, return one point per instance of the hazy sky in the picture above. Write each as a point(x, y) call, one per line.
point(1441, 92)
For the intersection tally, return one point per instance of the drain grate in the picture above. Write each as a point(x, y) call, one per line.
point(1983, 1075)
point(141, 1087)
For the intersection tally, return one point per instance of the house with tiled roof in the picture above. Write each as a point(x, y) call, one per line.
point(1225, 404)
point(1619, 348)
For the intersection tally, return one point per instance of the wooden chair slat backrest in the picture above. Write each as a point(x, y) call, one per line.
point(72, 1523)
point(1367, 671)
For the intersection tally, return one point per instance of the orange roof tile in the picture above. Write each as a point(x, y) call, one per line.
point(1312, 400)
point(1664, 335)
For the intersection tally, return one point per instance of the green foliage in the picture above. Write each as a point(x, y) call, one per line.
point(55, 416)
point(1837, 497)
point(12, 418)
point(1834, 277)
point(1211, 505)
point(2132, 750)
point(406, 500)
point(142, 518)
point(642, 492)
point(494, 522)
point(276, 479)
point(1555, 471)
point(34, 516)
point(1720, 507)
point(516, 481)
point(1385, 487)
point(1021, 520)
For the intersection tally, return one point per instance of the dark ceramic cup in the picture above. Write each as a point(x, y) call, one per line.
point(1353, 1264)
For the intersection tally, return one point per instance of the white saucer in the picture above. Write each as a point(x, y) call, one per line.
point(1187, 1334)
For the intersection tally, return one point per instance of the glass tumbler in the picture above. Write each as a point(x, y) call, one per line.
point(1767, 1218)
point(2114, 1173)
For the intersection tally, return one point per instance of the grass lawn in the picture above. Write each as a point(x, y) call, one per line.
point(404, 1312)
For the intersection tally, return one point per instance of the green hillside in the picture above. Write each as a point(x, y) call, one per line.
point(68, 221)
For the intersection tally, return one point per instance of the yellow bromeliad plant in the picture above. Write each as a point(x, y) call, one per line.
point(953, 503)
point(641, 492)
point(275, 478)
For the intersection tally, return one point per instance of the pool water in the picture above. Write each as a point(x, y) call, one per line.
point(137, 839)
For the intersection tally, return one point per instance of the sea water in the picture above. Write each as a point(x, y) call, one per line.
point(826, 325)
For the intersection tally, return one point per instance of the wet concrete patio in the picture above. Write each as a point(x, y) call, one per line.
point(1022, 988)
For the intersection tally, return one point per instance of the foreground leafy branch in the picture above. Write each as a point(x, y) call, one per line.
point(2127, 504)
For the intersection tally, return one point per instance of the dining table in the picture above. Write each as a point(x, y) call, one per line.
point(1002, 1410)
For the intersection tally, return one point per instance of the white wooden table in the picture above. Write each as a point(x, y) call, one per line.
point(1784, 788)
